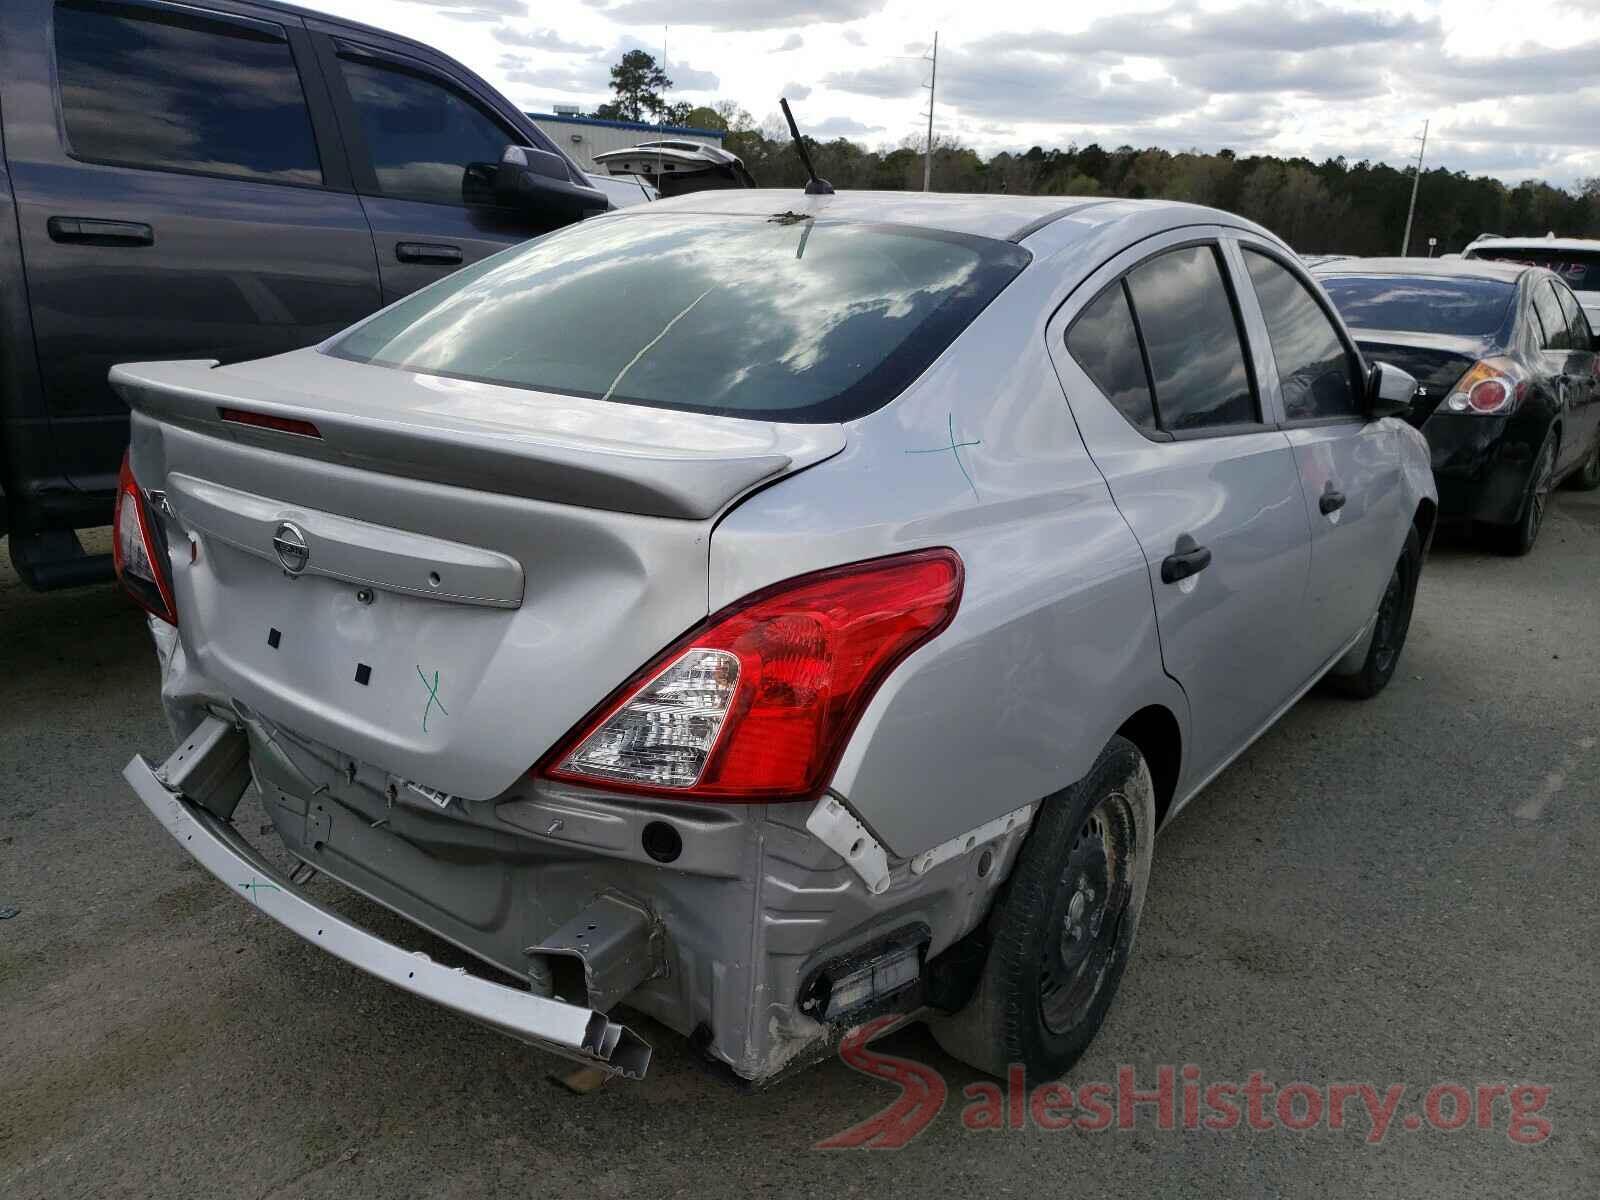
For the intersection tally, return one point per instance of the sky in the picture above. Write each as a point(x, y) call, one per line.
point(1505, 83)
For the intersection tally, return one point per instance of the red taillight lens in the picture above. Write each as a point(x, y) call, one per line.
point(1491, 387)
point(239, 416)
point(138, 551)
point(757, 703)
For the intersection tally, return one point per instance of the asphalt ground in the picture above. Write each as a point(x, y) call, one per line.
point(1398, 892)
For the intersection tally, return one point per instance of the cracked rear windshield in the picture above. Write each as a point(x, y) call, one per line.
point(777, 318)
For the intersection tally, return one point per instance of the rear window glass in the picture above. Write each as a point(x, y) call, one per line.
point(741, 316)
point(1579, 269)
point(1420, 304)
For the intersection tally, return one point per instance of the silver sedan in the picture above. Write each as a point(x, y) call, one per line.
point(768, 612)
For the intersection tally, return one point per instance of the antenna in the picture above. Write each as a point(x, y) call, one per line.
point(816, 187)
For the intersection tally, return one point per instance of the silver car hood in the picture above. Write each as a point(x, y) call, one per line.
point(489, 437)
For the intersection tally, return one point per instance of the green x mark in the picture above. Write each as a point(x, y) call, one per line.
point(954, 449)
point(433, 697)
point(255, 887)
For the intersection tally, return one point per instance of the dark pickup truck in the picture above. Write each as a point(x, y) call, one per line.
point(219, 179)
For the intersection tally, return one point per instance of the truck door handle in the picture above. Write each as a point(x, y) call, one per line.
point(1331, 501)
point(427, 252)
point(95, 232)
point(1185, 560)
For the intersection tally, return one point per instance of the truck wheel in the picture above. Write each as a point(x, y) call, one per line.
point(1392, 622)
point(1062, 928)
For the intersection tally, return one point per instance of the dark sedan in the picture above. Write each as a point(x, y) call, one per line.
point(1507, 393)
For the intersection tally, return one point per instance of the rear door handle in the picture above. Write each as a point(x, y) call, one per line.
point(95, 232)
point(1331, 501)
point(1186, 559)
point(427, 252)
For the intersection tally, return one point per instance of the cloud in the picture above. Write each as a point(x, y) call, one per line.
point(586, 79)
point(798, 91)
point(691, 79)
point(1537, 123)
point(854, 37)
point(793, 42)
point(837, 127)
point(737, 15)
point(475, 10)
point(1185, 29)
point(1329, 75)
point(1528, 71)
point(888, 81)
point(542, 39)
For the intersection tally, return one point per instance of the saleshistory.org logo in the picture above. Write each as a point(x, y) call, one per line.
point(1178, 1098)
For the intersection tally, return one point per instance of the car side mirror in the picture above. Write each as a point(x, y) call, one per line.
point(1389, 391)
point(540, 181)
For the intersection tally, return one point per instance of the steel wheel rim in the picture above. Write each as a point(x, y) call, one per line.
point(1094, 890)
point(1383, 636)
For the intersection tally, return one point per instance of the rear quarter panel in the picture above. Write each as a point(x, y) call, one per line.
point(1054, 645)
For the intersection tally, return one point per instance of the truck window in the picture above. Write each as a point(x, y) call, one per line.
point(172, 91)
point(427, 141)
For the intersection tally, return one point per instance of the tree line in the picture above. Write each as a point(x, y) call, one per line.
point(1331, 207)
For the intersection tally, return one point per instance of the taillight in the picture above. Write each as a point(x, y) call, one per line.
point(139, 551)
point(757, 703)
point(1492, 387)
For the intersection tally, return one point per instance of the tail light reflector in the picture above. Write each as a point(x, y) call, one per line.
point(1490, 388)
point(758, 702)
point(239, 416)
point(138, 550)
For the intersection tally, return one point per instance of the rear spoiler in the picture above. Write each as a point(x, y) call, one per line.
point(564, 449)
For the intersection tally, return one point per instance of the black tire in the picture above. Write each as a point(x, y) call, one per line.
point(1393, 622)
point(1053, 968)
point(1587, 477)
point(1517, 539)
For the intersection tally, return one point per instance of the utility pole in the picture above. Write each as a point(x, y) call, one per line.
point(1405, 243)
point(933, 80)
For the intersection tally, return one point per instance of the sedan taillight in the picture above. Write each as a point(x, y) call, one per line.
point(1491, 388)
point(139, 551)
point(757, 703)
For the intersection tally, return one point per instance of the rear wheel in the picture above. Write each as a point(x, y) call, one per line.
point(1587, 477)
point(1062, 928)
point(1516, 540)
point(1391, 623)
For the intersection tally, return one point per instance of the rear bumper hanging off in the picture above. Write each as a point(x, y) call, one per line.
point(574, 1032)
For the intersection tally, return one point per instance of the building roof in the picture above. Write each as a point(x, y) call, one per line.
point(565, 119)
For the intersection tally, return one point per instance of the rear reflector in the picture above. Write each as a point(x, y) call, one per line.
point(239, 416)
point(138, 551)
point(757, 703)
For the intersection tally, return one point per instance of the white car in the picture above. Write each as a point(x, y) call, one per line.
point(1576, 260)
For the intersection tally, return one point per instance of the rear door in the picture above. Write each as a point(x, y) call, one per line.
point(1583, 389)
point(1349, 467)
point(184, 196)
point(425, 147)
point(1158, 377)
point(1565, 366)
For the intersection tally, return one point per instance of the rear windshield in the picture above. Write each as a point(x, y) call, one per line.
point(779, 318)
point(1579, 268)
point(1421, 303)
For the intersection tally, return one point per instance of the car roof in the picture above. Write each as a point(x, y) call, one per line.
point(1445, 268)
point(1536, 243)
point(991, 215)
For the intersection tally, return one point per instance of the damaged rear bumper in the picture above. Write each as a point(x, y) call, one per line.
point(570, 1030)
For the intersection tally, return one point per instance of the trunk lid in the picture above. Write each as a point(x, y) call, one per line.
point(1437, 361)
point(448, 578)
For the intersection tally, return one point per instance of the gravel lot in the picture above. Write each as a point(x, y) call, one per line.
point(1403, 891)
